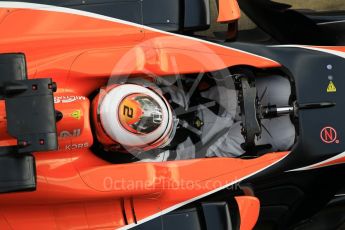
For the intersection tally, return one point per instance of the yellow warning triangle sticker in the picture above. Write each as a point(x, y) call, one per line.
point(331, 87)
point(76, 114)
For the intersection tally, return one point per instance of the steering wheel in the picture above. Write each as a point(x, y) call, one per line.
point(249, 103)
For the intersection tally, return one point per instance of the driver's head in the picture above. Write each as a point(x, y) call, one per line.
point(133, 117)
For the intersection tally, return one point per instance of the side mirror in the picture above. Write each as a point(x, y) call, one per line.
point(228, 11)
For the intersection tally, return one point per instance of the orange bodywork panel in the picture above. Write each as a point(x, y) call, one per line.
point(229, 11)
point(75, 188)
point(74, 131)
point(5, 138)
point(334, 162)
point(249, 211)
point(67, 47)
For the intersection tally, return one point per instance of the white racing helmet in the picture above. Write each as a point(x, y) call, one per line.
point(134, 117)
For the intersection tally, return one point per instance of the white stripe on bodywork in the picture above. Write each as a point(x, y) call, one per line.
point(320, 164)
point(333, 22)
point(176, 206)
point(339, 195)
point(334, 52)
point(35, 6)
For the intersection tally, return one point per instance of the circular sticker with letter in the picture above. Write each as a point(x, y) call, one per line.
point(328, 135)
